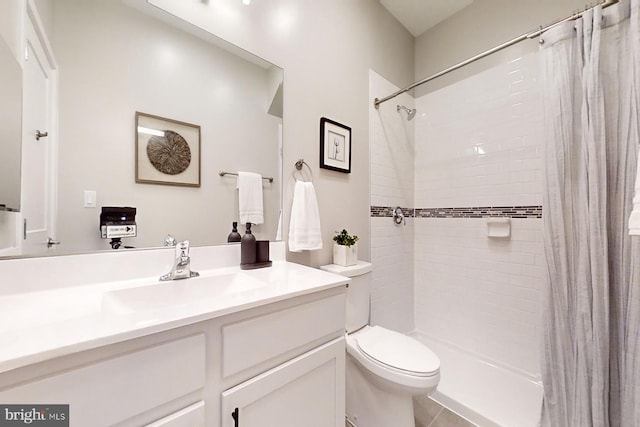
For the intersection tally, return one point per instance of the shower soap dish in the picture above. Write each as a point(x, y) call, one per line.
point(499, 227)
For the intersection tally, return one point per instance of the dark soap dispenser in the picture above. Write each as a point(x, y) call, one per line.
point(234, 236)
point(248, 247)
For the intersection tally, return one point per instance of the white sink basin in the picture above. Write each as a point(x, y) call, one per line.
point(178, 292)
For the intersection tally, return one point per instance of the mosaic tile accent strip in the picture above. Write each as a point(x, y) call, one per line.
point(481, 212)
point(387, 211)
point(467, 212)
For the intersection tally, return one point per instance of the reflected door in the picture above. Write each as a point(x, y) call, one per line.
point(38, 181)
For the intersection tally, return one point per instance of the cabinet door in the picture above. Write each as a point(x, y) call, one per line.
point(191, 416)
point(305, 391)
point(111, 391)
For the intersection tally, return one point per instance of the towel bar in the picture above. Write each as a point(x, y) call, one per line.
point(223, 173)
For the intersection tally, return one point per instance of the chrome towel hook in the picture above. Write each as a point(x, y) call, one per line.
point(398, 216)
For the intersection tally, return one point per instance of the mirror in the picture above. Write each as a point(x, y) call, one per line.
point(10, 128)
point(117, 58)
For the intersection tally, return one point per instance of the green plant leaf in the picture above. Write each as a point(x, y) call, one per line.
point(344, 238)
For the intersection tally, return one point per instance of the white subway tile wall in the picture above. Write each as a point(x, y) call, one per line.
point(478, 140)
point(478, 143)
point(391, 148)
point(478, 293)
point(392, 290)
point(392, 178)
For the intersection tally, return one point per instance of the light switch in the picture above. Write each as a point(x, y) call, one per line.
point(89, 199)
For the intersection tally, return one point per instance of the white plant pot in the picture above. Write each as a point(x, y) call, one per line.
point(345, 255)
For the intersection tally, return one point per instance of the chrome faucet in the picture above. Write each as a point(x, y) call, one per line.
point(182, 265)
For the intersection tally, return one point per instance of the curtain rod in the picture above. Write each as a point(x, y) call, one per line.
point(526, 36)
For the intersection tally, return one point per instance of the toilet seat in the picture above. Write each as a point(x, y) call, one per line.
point(396, 358)
point(398, 352)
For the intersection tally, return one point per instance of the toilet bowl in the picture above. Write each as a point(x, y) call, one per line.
point(384, 368)
point(395, 360)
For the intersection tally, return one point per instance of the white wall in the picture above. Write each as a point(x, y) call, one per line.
point(392, 177)
point(125, 62)
point(326, 49)
point(45, 12)
point(479, 27)
point(11, 13)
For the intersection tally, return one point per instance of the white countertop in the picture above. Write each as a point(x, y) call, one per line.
point(39, 325)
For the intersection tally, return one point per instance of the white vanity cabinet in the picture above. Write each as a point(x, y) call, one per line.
point(111, 391)
point(306, 391)
point(299, 353)
point(191, 416)
point(279, 363)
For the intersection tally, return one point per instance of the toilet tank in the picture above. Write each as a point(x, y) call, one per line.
point(358, 292)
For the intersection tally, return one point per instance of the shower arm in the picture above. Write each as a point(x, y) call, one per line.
point(526, 36)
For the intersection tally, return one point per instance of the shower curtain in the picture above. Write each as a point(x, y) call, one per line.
point(591, 310)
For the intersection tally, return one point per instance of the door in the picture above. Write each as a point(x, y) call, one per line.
point(306, 391)
point(38, 146)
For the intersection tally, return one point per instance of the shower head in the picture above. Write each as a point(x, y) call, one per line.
point(411, 112)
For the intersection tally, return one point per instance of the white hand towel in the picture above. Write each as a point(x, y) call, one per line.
point(250, 198)
point(634, 218)
point(304, 228)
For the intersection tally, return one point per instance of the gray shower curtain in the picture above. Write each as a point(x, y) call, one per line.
point(591, 310)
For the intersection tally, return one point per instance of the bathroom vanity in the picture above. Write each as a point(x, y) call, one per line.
point(237, 348)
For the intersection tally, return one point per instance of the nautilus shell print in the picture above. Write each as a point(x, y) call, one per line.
point(170, 154)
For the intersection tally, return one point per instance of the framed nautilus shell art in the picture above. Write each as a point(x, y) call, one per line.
point(167, 151)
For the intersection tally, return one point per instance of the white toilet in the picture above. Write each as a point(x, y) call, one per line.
point(385, 369)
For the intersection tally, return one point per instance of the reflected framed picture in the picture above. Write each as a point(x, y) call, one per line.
point(335, 146)
point(167, 151)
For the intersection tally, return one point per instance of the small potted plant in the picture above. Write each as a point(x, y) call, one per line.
point(345, 250)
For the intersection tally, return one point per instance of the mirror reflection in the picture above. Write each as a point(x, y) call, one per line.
point(117, 58)
point(10, 128)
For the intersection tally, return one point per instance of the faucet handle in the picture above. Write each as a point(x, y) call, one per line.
point(182, 250)
point(169, 240)
point(181, 267)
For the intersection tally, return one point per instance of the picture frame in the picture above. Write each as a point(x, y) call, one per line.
point(167, 151)
point(335, 146)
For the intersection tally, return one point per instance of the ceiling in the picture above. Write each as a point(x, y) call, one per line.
point(418, 16)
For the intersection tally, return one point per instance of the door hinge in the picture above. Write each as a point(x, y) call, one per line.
point(24, 229)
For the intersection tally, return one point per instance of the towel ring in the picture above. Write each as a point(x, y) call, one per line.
point(299, 164)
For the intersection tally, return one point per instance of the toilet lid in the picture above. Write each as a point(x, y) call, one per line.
point(398, 351)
